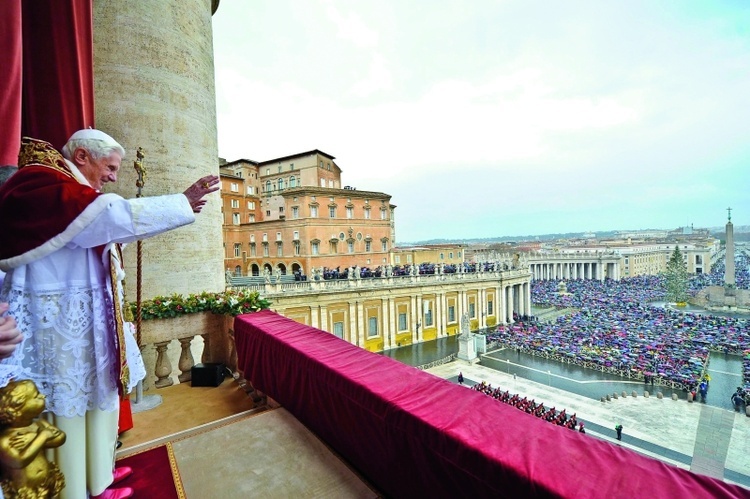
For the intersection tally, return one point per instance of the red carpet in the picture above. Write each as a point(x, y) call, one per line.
point(155, 474)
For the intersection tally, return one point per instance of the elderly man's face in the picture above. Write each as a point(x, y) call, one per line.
point(99, 171)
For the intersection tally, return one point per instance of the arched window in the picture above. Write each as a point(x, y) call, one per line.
point(268, 186)
point(238, 271)
point(281, 183)
point(292, 181)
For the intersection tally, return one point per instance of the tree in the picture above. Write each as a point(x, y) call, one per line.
point(677, 278)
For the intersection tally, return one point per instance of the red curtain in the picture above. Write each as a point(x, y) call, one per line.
point(49, 90)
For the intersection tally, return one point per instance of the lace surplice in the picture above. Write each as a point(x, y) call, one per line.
point(63, 306)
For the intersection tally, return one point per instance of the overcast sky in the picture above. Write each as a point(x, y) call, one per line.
point(492, 118)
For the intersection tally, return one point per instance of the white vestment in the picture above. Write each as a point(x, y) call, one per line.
point(63, 304)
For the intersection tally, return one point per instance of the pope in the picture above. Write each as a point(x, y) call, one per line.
point(60, 249)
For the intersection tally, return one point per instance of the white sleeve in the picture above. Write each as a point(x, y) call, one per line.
point(127, 220)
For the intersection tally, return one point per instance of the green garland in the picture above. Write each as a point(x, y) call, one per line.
point(225, 303)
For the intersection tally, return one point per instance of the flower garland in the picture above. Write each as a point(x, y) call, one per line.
point(231, 302)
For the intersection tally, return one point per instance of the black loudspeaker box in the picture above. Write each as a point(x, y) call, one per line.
point(207, 374)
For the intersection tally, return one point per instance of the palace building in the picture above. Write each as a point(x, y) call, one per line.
point(291, 214)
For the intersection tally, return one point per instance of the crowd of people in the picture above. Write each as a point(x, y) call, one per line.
point(616, 329)
point(357, 272)
point(550, 415)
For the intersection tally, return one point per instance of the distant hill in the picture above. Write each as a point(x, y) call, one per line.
point(741, 233)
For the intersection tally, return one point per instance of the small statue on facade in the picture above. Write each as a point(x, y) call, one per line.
point(24, 468)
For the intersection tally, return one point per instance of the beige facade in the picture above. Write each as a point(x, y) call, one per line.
point(383, 313)
point(291, 215)
point(448, 254)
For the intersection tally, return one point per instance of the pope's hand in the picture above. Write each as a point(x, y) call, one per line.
point(10, 335)
point(198, 190)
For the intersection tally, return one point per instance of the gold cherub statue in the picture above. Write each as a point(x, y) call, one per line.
point(25, 472)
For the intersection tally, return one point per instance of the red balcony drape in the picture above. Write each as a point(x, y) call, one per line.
point(48, 86)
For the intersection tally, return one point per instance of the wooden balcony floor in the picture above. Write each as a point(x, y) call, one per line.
point(183, 409)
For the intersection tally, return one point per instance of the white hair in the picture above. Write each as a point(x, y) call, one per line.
point(96, 148)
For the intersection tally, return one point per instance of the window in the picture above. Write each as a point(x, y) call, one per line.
point(250, 189)
point(268, 186)
point(278, 236)
point(442, 256)
point(330, 184)
point(315, 248)
point(296, 235)
point(472, 310)
point(279, 249)
point(238, 271)
point(295, 212)
point(372, 326)
point(251, 205)
point(281, 183)
point(251, 218)
point(402, 321)
point(428, 318)
point(334, 247)
point(252, 238)
point(265, 249)
point(252, 249)
point(292, 181)
point(322, 182)
point(338, 329)
point(268, 213)
point(451, 313)
point(383, 215)
point(385, 245)
point(265, 237)
point(234, 187)
point(296, 248)
point(350, 246)
point(237, 249)
point(367, 213)
point(314, 211)
point(235, 203)
point(332, 211)
point(291, 167)
point(368, 247)
point(397, 258)
point(236, 218)
point(349, 212)
point(268, 171)
point(490, 307)
point(450, 255)
point(328, 167)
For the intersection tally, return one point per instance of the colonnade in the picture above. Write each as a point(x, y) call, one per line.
point(426, 309)
point(582, 269)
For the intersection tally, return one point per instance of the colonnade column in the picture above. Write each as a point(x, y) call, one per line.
point(500, 306)
point(360, 323)
point(324, 318)
point(509, 297)
point(353, 330)
point(388, 322)
point(315, 317)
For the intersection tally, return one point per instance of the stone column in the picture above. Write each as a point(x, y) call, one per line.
point(324, 318)
point(360, 323)
point(154, 88)
point(353, 326)
point(387, 321)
